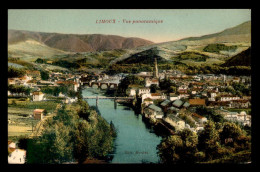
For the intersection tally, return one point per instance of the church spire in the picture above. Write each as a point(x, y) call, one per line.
point(155, 72)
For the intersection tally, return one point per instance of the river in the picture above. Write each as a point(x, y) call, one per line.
point(135, 142)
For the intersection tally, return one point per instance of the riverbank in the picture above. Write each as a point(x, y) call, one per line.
point(136, 141)
point(159, 127)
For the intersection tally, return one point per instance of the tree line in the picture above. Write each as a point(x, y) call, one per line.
point(218, 142)
point(19, 89)
point(76, 133)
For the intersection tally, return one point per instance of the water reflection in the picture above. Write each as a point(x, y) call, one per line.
point(136, 141)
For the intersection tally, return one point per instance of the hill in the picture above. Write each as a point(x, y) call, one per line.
point(144, 57)
point(241, 59)
point(240, 33)
point(76, 42)
point(214, 48)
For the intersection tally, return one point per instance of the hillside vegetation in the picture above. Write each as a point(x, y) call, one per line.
point(216, 48)
point(241, 59)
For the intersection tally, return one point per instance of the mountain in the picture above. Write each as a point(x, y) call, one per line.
point(240, 33)
point(76, 42)
point(234, 40)
point(241, 59)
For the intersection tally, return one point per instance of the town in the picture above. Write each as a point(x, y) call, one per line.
point(169, 97)
point(173, 87)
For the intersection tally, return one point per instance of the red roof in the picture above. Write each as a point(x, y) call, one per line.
point(197, 115)
point(37, 93)
point(155, 94)
point(39, 110)
point(197, 101)
point(154, 80)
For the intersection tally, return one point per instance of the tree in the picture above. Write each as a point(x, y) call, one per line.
point(15, 72)
point(179, 148)
point(209, 140)
point(39, 60)
point(44, 75)
point(230, 131)
point(172, 89)
point(153, 88)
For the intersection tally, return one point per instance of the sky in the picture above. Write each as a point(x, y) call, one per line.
point(176, 23)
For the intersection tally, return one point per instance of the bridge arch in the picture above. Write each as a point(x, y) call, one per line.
point(93, 85)
point(104, 86)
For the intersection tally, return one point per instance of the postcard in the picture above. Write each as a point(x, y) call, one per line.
point(129, 86)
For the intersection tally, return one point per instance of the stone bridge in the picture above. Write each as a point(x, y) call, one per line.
point(99, 84)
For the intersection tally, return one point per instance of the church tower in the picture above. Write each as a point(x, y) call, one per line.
point(155, 71)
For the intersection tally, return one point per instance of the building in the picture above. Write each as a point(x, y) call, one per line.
point(69, 100)
point(240, 104)
point(153, 81)
point(173, 97)
point(165, 104)
point(153, 112)
point(197, 102)
point(143, 91)
point(11, 144)
point(174, 121)
point(132, 92)
point(35, 74)
point(38, 96)
point(38, 114)
point(71, 84)
point(147, 101)
point(16, 156)
point(177, 103)
point(228, 98)
point(199, 118)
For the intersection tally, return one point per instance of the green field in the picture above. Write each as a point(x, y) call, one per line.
point(50, 106)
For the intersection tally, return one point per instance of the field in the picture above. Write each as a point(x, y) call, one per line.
point(20, 121)
point(50, 106)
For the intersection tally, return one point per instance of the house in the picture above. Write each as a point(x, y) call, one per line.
point(228, 98)
point(182, 87)
point(219, 103)
point(199, 118)
point(183, 95)
point(165, 104)
point(38, 114)
point(34, 74)
point(240, 103)
point(72, 85)
point(174, 121)
point(186, 105)
point(173, 97)
point(31, 83)
point(16, 156)
point(11, 81)
point(236, 79)
point(11, 144)
point(177, 103)
point(132, 92)
point(149, 82)
point(197, 102)
point(143, 91)
point(61, 95)
point(70, 100)
point(156, 96)
point(153, 112)
point(38, 96)
point(147, 101)
point(172, 110)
